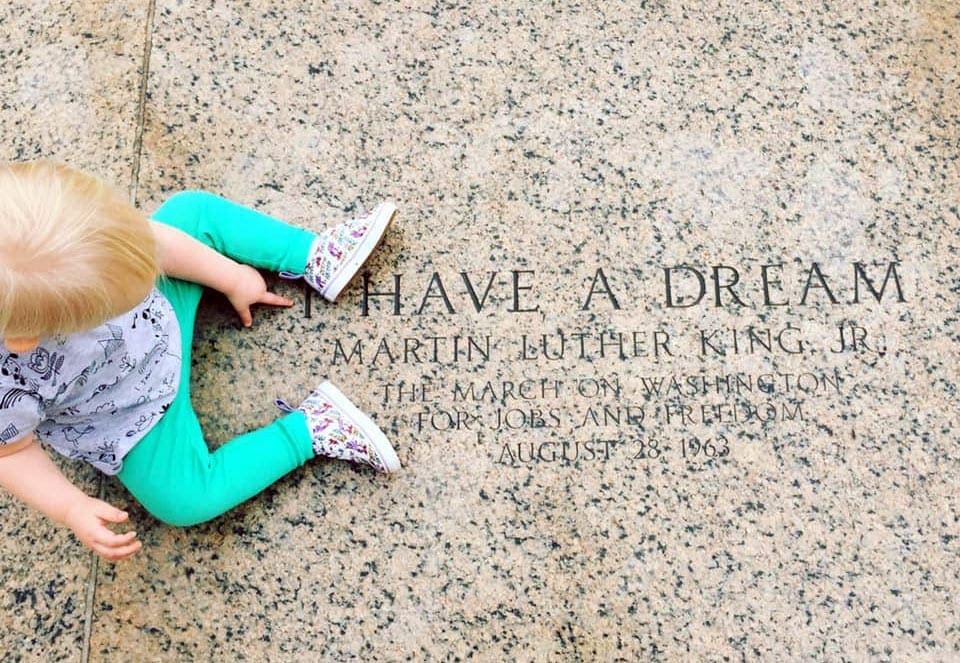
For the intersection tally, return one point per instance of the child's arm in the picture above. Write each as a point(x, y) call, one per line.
point(28, 473)
point(184, 257)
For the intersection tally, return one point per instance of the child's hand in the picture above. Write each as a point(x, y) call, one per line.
point(88, 519)
point(249, 288)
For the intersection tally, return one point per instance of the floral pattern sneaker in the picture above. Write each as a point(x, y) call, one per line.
point(339, 430)
point(339, 252)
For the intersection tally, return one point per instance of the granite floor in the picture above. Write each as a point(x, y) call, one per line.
point(674, 370)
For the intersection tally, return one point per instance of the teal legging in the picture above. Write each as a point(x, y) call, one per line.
point(171, 471)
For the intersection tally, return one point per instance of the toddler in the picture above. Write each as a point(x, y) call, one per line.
point(97, 307)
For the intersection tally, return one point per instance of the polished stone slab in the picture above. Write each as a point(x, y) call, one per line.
point(70, 91)
point(792, 497)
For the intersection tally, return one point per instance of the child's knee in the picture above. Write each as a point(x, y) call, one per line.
point(179, 508)
point(180, 516)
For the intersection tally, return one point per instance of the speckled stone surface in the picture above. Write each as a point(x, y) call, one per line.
point(793, 495)
point(69, 91)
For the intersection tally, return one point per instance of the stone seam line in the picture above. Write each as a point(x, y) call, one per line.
point(132, 191)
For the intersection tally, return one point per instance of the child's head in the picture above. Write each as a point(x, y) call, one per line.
point(73, 253)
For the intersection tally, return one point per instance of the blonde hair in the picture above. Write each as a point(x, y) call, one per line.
point(73, 252)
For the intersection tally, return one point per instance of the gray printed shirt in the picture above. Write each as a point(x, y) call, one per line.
point(95, 394)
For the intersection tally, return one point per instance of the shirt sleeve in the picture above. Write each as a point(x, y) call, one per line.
point(20, 414)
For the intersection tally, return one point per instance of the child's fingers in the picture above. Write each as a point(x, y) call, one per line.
point(246, 318)
point(118, 553)
point(274, 299)
point(109, 513)
point(124, 539)
point(110, 539)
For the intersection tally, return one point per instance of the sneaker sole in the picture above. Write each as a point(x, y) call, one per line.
point(383, 215)
point(379, 441)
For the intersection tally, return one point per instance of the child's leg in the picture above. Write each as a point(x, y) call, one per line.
point(172, 472)
point(175, 477)
point(327, 262)
point(240, 233)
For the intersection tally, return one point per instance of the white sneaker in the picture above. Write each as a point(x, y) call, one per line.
point(340, 430)
point(339, 252)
